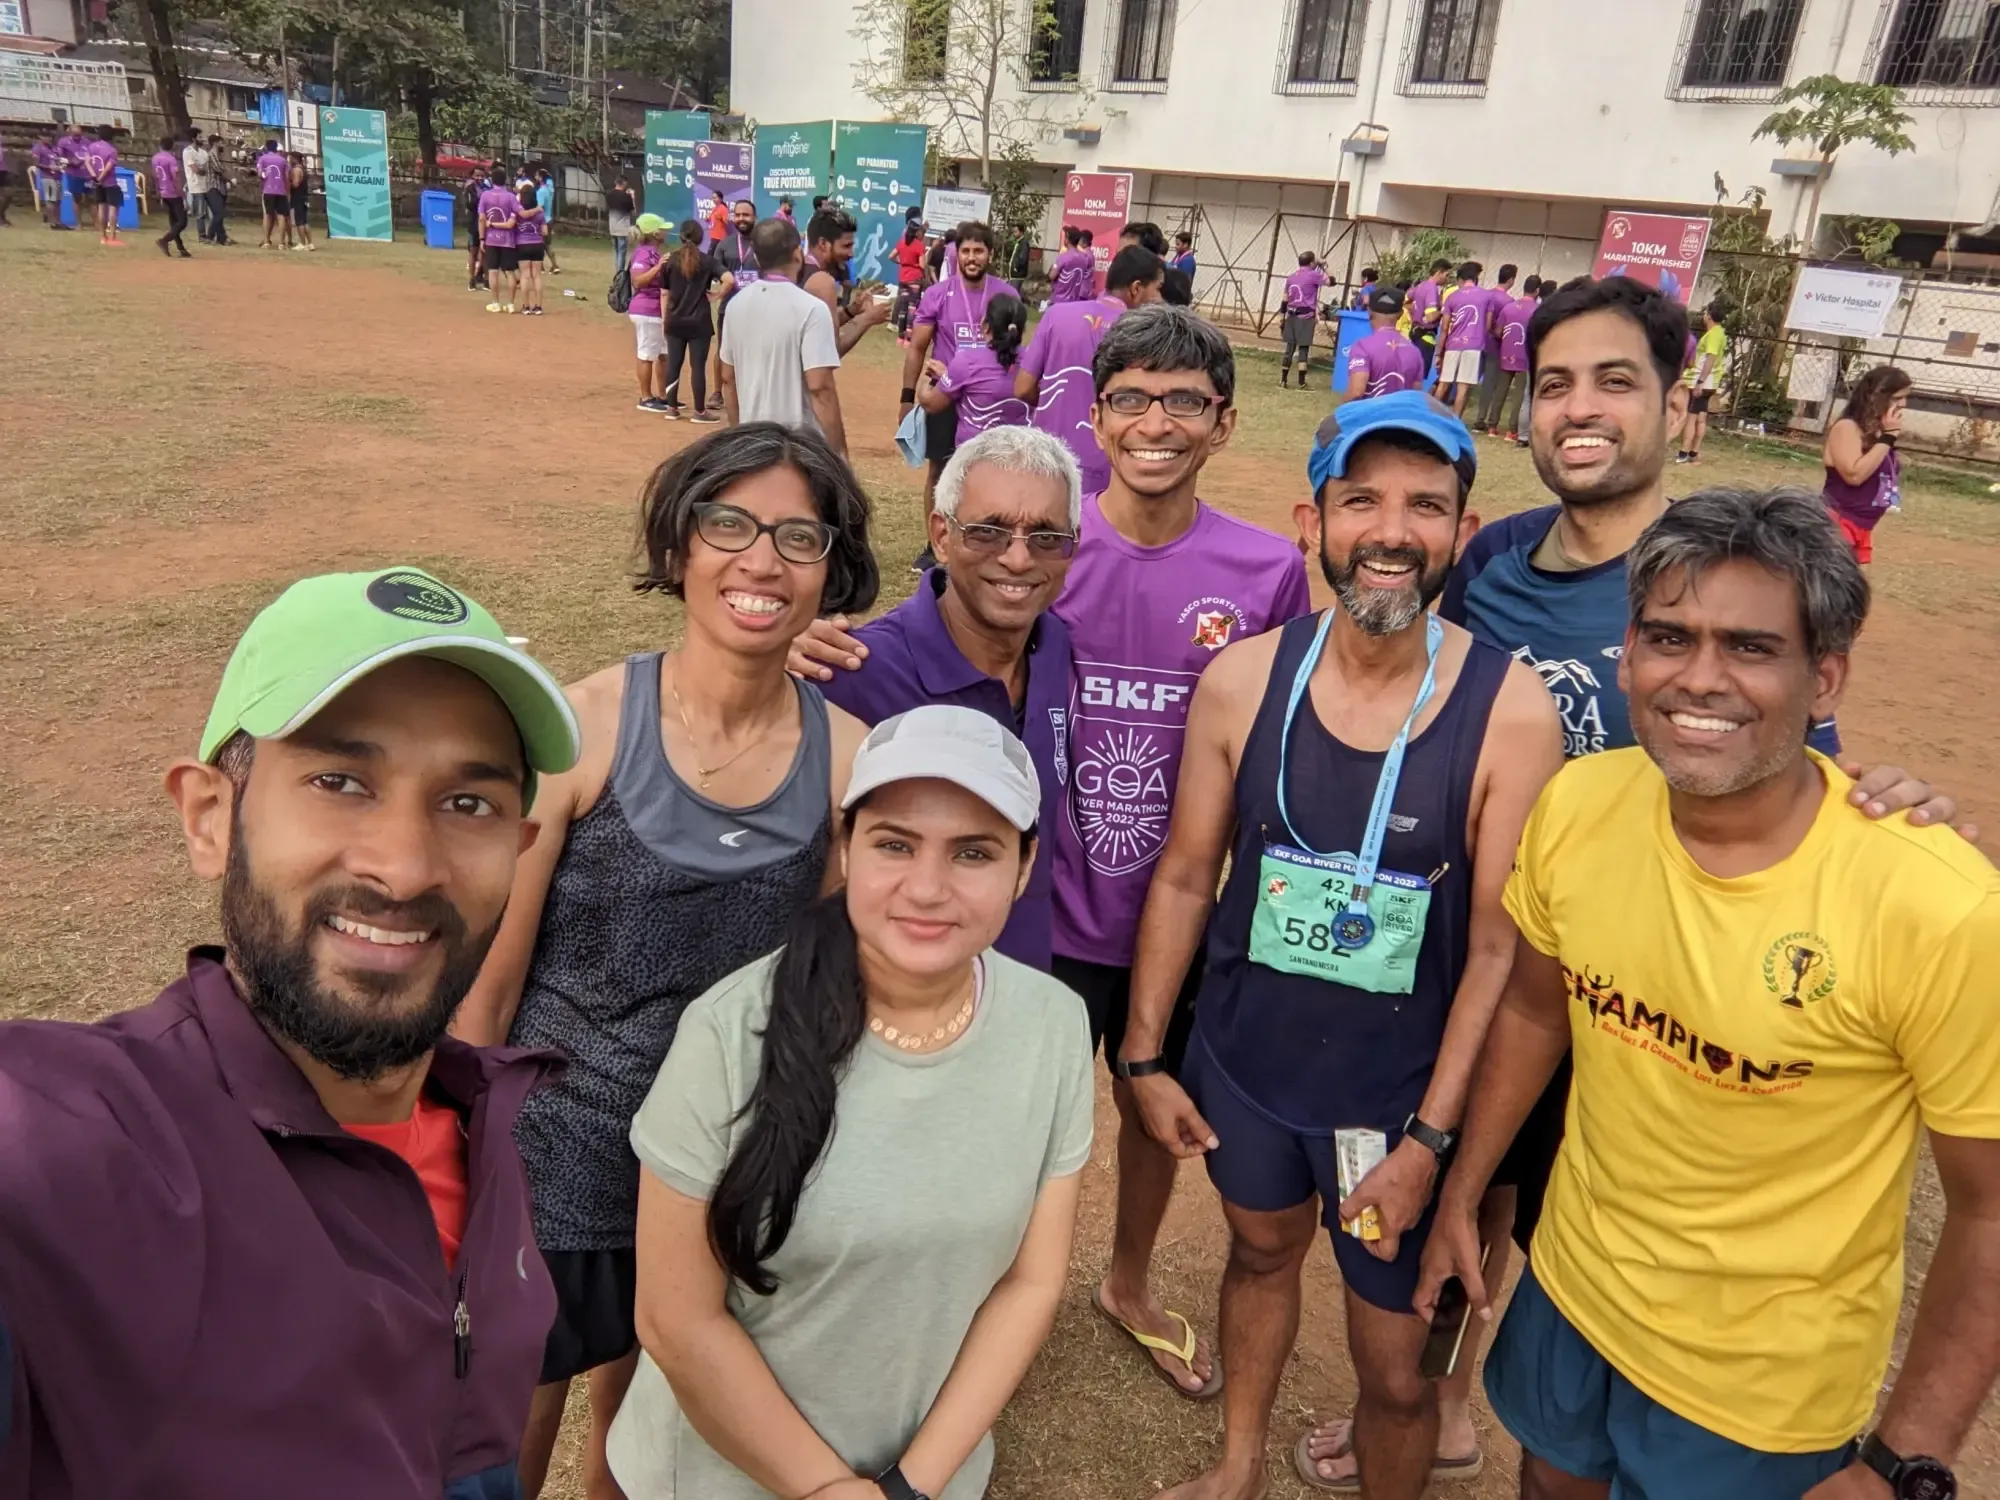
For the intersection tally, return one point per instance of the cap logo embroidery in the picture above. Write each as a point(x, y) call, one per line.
point(416, 596)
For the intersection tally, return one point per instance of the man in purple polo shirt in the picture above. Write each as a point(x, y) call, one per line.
point(1384, 361)
point(1426, 305)
point(977, 632)
point(1302, 289)
point(1075, 276)
point(1463, 317)
point(167, 180)
point(1054, 378)
point(269, 1235)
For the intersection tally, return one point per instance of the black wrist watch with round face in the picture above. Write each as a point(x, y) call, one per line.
point(892, 1483)
point(1919, 1478)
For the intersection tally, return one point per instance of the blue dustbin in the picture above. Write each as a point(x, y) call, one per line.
point(437, 209)
point(128, 215)
point(1354, 326)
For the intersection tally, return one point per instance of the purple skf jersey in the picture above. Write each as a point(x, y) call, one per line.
point(1143, 623)
point(103, 159)
point(958, 313)
point(1390, 361)
point(982, 389)
point(48, 160)
point(496, 206)
point(73, 155)
point(167, 174)
point(1302, 290)
point(528, 226)
point(1075, 277)
point(275, 173)
point(1498, 300)
point(1425, 298)
point(1465, 311)
point(1060, 357)
point(1514, 333)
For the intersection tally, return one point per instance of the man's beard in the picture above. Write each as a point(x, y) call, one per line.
point(358, 1040)
point(1381, 612)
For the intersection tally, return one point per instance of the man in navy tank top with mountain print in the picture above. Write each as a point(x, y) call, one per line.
point(1367, 772)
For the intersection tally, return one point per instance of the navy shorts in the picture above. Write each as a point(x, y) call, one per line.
point(1267, 1167)
point(1565, 1404)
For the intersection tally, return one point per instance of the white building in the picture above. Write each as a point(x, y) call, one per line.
point(1515, 123)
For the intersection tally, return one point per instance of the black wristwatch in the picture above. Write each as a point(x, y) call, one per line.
point(892, 1483)
point(1146, 1067)
point(1439, 1142)
point(1919, 1478)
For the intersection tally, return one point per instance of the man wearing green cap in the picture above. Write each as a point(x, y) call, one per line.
point(270, 1234)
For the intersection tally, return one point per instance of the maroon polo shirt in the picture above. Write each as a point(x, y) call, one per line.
point(214, 1292)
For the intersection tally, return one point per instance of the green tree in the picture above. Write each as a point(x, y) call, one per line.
point(1829, 113)
point(1411, 261)
point(678, 41)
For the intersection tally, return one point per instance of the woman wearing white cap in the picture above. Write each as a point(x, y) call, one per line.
point(861, 1160)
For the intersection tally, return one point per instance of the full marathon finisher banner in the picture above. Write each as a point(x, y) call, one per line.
point(878, 175)
point(354, 152)
point(671, 135)
point(795, 162)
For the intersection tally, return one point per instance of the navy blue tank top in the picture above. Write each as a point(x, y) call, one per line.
point(1311, 1054)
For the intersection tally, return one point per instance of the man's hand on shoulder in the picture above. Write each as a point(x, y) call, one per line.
point(1890, 789)
point(824, 646)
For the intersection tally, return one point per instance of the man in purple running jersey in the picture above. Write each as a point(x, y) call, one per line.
point(1302, 289)
point(1463, 320)
point(1054, 378)
point(1384, 361)
point(1075, 275)
point(1426, 301)
point(167, 181)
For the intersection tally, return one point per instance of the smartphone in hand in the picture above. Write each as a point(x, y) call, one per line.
point(1447, 1335)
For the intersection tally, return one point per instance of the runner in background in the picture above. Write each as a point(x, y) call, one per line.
point(978, 384)
point(1075, 276)
point(829, 252)
point(102, 154)
point(530, 247)
point(737, 257)
point(691, 272)
point(1704, 378)
point(545, 200)
point(1863, 469)
point(619, 211)
point(47, 172)
point(1383, 362)
point(167, 183)
point(1365, 293)
point(475, 225)
point(500, 206)
point(696, 824)
point(73, 159)
point(1145, 234)
point(274, 180)
point(300, 182)
point(909, 258)
point(1302, 289)
point(218, 191)
point(785, 212)
point(1425, 303)
point(648, 281)
point(1055, 376)
point(1499, 297)
point(1500, 398)
point(1183, 260)
point(1462, 315)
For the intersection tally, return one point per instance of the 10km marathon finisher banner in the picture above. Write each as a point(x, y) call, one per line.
point(795, 162)
point(1099, 202)
point(722, 169)
point(1662, 250)
point(878, 176)
point(354, 153)
point(671, 136)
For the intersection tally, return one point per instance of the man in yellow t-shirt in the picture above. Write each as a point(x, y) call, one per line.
point(1768, 995)
point(1704, 378)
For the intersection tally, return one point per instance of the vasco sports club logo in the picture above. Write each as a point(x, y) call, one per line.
point(1215, 621)
point(1798, 968)
point(410, 595)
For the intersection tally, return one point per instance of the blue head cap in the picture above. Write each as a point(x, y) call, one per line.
point(1415, 412)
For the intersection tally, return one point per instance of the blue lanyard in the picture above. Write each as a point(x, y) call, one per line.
point(1356, 927)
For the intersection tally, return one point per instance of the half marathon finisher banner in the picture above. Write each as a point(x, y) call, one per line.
point(722, 171)
point(878, 175)
point(354, 154)
point(795, 162)
point(671, 135)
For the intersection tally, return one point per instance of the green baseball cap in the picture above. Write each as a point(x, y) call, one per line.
point(649, 223)
point(322, 635)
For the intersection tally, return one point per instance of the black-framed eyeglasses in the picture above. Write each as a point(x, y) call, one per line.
point(991, 541)
point(728, 529)
point(1129, 401)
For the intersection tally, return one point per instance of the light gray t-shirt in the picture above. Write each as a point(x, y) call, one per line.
point(915, 1211)
point(772, 333)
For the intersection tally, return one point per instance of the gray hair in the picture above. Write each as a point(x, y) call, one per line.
point(1788, 531)
point(1016, 450)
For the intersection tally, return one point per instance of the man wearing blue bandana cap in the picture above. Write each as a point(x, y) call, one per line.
point(1367, 772)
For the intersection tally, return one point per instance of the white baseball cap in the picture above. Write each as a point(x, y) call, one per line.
point(942, 742)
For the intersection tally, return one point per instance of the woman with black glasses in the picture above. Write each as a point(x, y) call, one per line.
point(697, 822)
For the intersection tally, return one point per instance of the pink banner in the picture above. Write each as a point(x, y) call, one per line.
point(1099, 202)
point(1662, 250)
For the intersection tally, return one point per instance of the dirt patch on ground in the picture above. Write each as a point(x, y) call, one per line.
point(275, 414)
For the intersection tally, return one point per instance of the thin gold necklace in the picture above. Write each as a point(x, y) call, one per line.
point(706, 774)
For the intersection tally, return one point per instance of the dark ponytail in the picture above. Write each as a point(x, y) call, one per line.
point(1006, 326)
point(819, 1010)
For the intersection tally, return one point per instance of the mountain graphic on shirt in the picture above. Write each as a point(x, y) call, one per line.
point(1565, 673)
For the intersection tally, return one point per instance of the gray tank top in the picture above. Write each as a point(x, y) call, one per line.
point(659, 894)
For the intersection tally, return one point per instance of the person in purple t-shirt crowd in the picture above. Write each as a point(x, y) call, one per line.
point(1055, 375)
point(1500, 395)
point(73, 161)
point(47, 158)
point(1463, 315)
point(101, 156)
point(274, 173)
point(499, 208)
point(1426, 301)
point(270, 1234)
point(1384, 361)
point(1159, 584)
point(167, 182)
point(951, 314)
point(979, 381)
point(1499, 297)
point(979, 632)
point(1075, 275)
point(530, 245)
point(1302, 289)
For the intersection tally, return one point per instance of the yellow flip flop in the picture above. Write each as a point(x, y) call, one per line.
point(1183, 1351)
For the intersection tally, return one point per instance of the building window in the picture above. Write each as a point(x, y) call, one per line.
point(1322, 46)
point(1735, 47)
point(1937, 50)
point(1142, 44)
point(240, 101)
point(926, 36)
point(1450, 46)
point(1055, 52)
